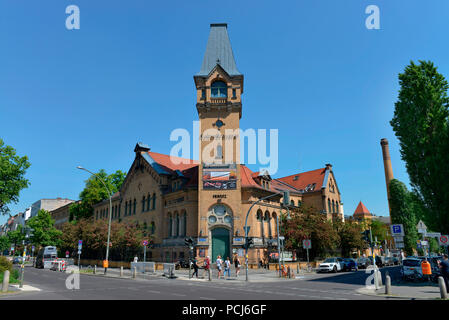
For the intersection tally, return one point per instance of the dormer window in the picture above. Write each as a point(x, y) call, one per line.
point(219, 90)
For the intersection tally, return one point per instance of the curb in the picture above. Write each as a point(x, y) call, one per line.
point(374, 294)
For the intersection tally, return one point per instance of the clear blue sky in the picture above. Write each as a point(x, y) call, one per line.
point(312, 70)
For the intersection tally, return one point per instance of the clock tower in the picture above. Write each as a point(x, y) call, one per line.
point(219, 88)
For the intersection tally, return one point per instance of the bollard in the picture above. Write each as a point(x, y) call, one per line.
point(134, 272)
point(387, 285)
point(297, 268)
point(208, 271)
point(121, 271)
point(5, 281)
point(379, 277)
point(95, 269)
point(442, 286)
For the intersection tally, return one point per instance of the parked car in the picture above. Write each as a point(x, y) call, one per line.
point(389, 261)
point(411, 269)
point(363, 263)
point(349, 264)
point(331, 265)
point(379, 261)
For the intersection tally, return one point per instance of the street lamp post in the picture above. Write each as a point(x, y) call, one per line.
point(109, 216)
point(246, 228)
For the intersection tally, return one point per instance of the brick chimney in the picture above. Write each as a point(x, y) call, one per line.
point(387, 167)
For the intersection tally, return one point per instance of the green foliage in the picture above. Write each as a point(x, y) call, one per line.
point(402, 205)
point(95, 191)
point(4, 244)
point(421, 123)
point(125, 241)
point(309, 224)
point(44, 234)
point(17, 236)
point(379, 230)
point(12, 176)
point(13, 276)
point(350, 236)
point(5, 264)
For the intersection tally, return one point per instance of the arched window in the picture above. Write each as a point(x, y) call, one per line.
point(275, 223)
point(143, 204)
point(126, 208)
point(219, 90)
point(329, 205)
point(154, 201)
point(337, 207)
point(333, 206)
point(148, 202)
point(119, 211)
point(135, 205)
point(267, 219)
point(260, 218)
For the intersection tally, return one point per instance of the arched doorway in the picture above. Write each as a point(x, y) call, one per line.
point(220, 243)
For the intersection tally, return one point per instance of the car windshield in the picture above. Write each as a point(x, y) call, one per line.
point(411, 263)
point(330, 260)
point(348, 260)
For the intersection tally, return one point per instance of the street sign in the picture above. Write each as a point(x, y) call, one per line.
point(422, 228)
point(145, 242)
point(443, 240)
point(67, 254)
point(424, 242)
point(307, 244)
point(397, 230)
point(432, 234)
point(32, 248)
point(80, 245)
point(398, 239)
point(400, 245)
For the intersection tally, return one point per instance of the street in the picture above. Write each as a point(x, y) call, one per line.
point(340, 286)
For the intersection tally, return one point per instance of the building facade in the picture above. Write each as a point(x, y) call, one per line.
point(209, 199)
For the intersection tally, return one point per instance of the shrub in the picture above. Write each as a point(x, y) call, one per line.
point(5, 264)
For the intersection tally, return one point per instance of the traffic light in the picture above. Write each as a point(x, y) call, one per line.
point(188, 242)
point(249, 242)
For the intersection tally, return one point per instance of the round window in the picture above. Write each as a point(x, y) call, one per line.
point(212, 219)
point(220, 210)
point(228, 219)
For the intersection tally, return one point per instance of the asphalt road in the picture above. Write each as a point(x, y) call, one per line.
point(340, 286)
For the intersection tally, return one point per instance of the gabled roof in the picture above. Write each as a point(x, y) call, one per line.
point(166, 164)
point(302, 180)
point(361, 210)
point(218, 51)
point(247, 177)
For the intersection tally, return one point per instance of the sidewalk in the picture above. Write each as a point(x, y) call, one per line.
point(411, 291)
point(254, 275)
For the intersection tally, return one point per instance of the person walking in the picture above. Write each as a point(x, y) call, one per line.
point(219, 263)
point(206, 265)
point(444, 266)
point(237, 266)
point(195, 268)
point(227, 264)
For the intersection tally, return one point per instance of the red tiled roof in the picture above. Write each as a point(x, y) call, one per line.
point(173, 163)
point(247, 181)
point(361, 210)
point(306, 178)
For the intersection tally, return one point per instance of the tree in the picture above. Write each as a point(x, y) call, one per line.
point(12, 176)
point(421, 123)
point(95, 191)
point(350, 236)
point(379, 230)
point(401, 202)
point(16, 237)
point(308, 223)
point(44, 233)
point(4, 244)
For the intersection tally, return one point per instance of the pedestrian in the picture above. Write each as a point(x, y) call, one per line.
point(227, 264)
point(206, 265)
point(237, 266)
point(195, 268)
point(219, 263)
point(444, 266)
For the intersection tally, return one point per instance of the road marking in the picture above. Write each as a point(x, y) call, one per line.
point(205, 298)
point(179, 294)
point(153, 291)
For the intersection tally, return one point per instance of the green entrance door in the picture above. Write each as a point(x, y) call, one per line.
point(220, 243)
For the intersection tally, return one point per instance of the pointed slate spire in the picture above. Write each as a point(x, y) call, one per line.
point(218, 51)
